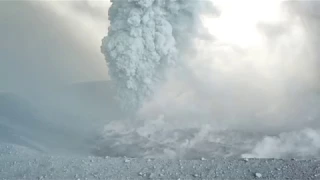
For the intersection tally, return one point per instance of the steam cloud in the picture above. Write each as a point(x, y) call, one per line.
point(269, 88)
point(144, 41)
point(301, 144)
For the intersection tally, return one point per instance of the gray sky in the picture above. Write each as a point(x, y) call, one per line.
point(45, 44)
point(48, 44)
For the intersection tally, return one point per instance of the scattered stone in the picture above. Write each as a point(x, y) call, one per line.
point(196, 175)
point(151, 175)
point(258, 175)
point(203, 159)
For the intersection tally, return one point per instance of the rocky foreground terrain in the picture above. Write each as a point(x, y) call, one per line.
point(17, 162)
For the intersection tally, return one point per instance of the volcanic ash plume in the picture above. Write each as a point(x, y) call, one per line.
point(144, 39)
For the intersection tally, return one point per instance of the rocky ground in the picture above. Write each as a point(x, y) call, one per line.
point(17, 162)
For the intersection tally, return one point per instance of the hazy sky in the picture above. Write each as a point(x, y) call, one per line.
point(44, 44)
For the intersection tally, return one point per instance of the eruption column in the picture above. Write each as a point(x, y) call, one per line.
point(144, 40)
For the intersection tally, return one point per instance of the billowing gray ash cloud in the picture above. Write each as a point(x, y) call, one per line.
point(144, 41)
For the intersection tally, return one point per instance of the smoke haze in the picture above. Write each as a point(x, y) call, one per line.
point(238, 67)
point(251, 71)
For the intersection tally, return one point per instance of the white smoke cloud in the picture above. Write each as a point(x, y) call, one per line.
point(144, 40)
point(266, 82)
point(303, 144)
point(251, 67)
point(269, 83)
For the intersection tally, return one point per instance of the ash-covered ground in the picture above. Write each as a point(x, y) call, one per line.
point(21, 163)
